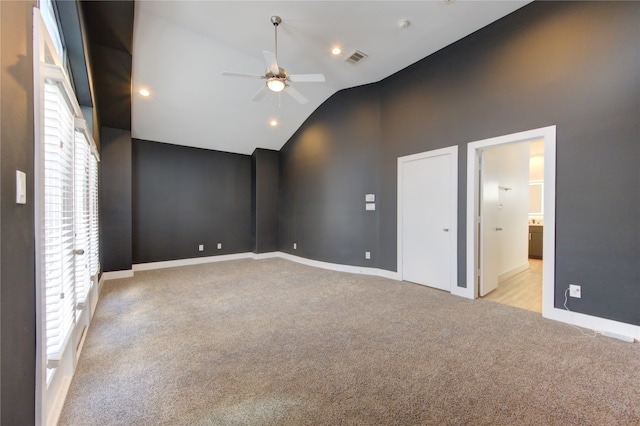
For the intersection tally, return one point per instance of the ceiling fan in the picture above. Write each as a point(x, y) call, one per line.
point(277, 79)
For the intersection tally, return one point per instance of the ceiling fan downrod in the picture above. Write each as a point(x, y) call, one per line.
point(275, 20)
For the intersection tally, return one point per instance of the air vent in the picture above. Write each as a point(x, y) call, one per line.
point(356, 57)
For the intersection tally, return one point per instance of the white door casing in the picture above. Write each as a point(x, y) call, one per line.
point(427, 218)
point(548, 134)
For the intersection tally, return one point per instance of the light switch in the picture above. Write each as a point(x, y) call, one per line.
point(370, 198)
point(21, 187)
point(370, 206)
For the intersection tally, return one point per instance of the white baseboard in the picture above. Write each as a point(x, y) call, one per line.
point(101, 282)
point(594, 323)
point(55, 409)
point(95, 295)
point(191, 261)
point(341, 268)
point(256, 256)
point(269, 255)
point(513, 271)
point(116, 275)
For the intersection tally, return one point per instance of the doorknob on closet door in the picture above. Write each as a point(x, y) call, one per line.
point(445, 229)
point(498, 229)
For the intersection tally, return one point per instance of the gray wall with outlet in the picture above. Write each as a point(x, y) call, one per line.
point(326, 170)
point(186, 197)
point(569, 64)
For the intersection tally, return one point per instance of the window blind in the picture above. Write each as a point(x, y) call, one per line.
point(58, 221)
point(82, 222)
point(94, 243)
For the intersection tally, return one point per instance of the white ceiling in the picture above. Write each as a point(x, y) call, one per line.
point(180, 49)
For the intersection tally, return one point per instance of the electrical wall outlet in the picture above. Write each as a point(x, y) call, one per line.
point(201, 247)
point(575, 291)
point(219, 246)
point(367, 255)
point(295, 246)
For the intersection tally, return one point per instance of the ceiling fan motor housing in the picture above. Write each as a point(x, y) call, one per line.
point(282, 73)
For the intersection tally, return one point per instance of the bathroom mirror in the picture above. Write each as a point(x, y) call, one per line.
point(535, 198)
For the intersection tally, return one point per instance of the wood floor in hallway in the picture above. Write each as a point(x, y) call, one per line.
point(523, 290)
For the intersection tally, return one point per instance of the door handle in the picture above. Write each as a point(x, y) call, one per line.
point(445, 229)
point(78, 251)
point(498, 229)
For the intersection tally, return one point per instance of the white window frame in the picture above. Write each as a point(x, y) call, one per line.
point(53, 383)
point(48, 13)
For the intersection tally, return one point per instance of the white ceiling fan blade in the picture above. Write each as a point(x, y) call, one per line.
point(272, 63)
point(240, 74)
point(306, 78)
point(296, 95)
point(261, 93)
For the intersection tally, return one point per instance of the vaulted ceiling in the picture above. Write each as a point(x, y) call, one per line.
point(180, 49)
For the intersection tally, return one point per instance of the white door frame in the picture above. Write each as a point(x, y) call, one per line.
point(549, 233)
point(548, 242)
point(453, 230)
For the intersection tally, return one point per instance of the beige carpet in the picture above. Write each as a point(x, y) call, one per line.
point(272, 342)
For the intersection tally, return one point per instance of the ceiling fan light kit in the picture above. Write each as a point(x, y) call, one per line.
point(276, 85)
point(277, 77)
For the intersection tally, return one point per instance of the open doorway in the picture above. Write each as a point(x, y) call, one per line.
point(475, 264)
point(512, 224)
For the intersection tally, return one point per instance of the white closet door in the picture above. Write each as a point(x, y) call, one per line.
point(426, 217)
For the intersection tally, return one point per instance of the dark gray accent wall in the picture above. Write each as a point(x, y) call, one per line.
point(69, 17)
point(115, 199)
point(109, 28)
point(184, 197)
point(17, 229)
point(326, 169)
point(265, 179)
point(570, 64)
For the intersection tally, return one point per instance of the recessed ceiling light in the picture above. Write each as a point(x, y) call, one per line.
point(336, 51)
point(144, 92)
point(404, 24)
point(273, 123)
